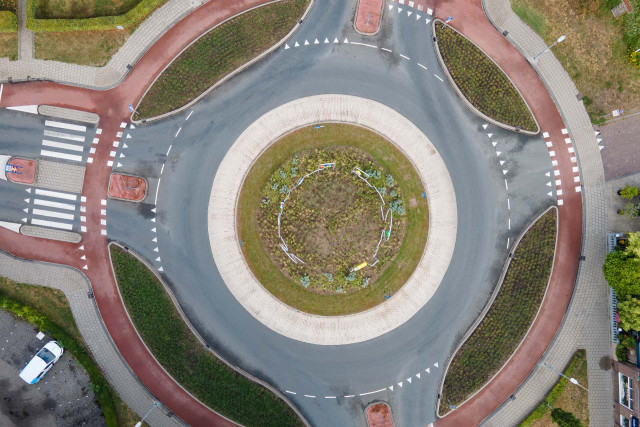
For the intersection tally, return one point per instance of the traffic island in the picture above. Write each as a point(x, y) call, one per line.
point(379, 415)
point(21, 171)
point(368, 17)
point(127, 187)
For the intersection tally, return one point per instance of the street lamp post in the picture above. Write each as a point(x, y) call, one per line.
point(560, 40)
point(571, 380)
point(155, 404)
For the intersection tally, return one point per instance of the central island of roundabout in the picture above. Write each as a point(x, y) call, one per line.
point(332, 219)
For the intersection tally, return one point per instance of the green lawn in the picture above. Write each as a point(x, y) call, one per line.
point(509, 317)
point(481, 81)
point(185, 358)
point(391, 160)
point(218, 53)
point(49, 310)
point(73, 9)
point(9, 45)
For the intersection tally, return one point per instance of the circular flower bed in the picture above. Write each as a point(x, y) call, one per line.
point(332, 219)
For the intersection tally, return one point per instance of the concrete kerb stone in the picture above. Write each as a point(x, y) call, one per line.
point(488, 306)
point(194, 331)
point(86, 314)
point(332, 330)
point(355, 19)
point(146, 188)
point(68, 113)
point(50, 233)
point(464, 98)
point(225, 78)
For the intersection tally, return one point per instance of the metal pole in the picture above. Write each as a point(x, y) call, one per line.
point(155, 405)
point(560, 39)
point(571, 380)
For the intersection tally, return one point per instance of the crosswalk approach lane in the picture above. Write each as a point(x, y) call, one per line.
point(65, 141)
point(52, 209)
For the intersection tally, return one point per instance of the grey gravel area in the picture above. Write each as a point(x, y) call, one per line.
point(621, 155)
point(62, 398)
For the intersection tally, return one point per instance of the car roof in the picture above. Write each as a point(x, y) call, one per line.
point(54, 348)
point(33, 369)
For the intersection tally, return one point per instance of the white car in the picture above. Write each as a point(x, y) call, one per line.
point(41, 362)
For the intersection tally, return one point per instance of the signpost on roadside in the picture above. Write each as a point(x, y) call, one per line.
point(132, 110)
point(446, 21)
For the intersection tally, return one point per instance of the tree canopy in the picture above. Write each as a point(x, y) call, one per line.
point(629, 313)
point(622, 271)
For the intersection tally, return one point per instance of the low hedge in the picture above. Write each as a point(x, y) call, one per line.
point(99, 384)
point(508, 319)
point(8, 22)
point(135, 15)
point(175, 347)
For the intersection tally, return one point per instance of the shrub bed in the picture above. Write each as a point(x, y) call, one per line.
point(185, 358)
point(8, 22)
point(509, 317)
point(481, 81)
point(132, 17)
point(218, 53)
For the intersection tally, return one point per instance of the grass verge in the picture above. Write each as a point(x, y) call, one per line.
point(185, 358)
point(93, 48)
point(218, 53)
point(391, 160)
point(594, 52)
point(508, 319)
point(481, 81)
point(49, 310)
point(9, 46)
point(569, 397)
point(8, 22)
point(77, 9)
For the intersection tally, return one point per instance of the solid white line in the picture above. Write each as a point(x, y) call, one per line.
point(42, 212)
point(189, 115)
point(1, 87)
point(309, 395)
point(63, 135)
point(405, 57)
point(157, 188)
point(371, 392)
point(49, 193)
point(438, 77)
point(420, 65)
point(178, 132)
point(385, 49)
point(51, 204)
point(61, 155)
point(169, 150)
point(62, 125)
point(64, 146)
point(51, 224)
point(290, 392)
point(508, 204)
point(162, 170)
point(364, 44)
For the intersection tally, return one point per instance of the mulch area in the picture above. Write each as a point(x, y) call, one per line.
point(127, 187)
point(621, 155)
point(25, 171)
point(379, 415)
point(369, 16)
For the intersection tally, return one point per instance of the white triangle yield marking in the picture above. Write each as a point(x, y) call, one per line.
point(83, 257)
point(549, 184)
point(153, 229)
point(399, 9)
point(122, 155)
point(336, 40)
point(428, 370)
point(128, 136)
point(435, 364)
point(489, 135)
point(400, 383)
point(154, 240)
point(502, 162)
point(119, 165)
point(409, 379)
point(28, 190)
point(391, 388)
point(428, 20)
point(125, 146)
point(316, 42)
point(24, 219)
point(494, 143)
point(326, 40)
point(286, 46)
point(81, 248)
point(549, 194)
point(597, 132)
point(417, 17)
point(600, 147)
point(484, 126)
point(158, 259)
point(498, 153)
point(306, 42)
point(418, 375)
point(156, 250)
point(85, 267)
point(409, 13)
point(547, 174)
point(27, 200)
point(160, 269)
point(504, 171)
point(132, 127)
point(345, 41)
point(26, 210)
point(153, 220)
point(296, 45)
point(153, 210)
point(599, 139)
point(390, 6)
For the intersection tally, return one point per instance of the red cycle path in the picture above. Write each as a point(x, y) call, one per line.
point(469, 18)
point(111, 105)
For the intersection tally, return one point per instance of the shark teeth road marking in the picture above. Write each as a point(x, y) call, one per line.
point(286, 46)
point(296, 45)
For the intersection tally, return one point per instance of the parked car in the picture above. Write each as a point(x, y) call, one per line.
point(41, 362)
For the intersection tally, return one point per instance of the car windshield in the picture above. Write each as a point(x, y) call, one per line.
point(46, 355)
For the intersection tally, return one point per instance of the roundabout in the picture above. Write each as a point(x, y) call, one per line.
point(433, 263)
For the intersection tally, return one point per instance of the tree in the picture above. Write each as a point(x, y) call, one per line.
point(633, 245)
point(629, 313)
point(623, 273)
point(564, 418)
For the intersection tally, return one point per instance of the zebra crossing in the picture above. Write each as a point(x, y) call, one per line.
point(64, 141)
point(53, 209)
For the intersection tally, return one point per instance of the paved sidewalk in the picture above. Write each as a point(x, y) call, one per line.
point(25, 37)
point(587, 322)
point(85, 313)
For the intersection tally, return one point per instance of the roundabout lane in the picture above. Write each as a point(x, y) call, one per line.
point(483, 220)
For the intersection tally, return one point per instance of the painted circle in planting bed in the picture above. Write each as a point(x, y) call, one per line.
point(331, 219)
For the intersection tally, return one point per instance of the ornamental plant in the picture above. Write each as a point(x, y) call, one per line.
point(622, 272)
point(629, 192)
point(629, 314)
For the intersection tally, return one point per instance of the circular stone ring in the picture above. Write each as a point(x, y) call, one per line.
point(225, 242)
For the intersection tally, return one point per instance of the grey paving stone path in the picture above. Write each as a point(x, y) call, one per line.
point(69, 114)
point(95, 77)
point(60, 176)
point(25, 37)
point(586, 324)
point(76, 288)
point(50, 233)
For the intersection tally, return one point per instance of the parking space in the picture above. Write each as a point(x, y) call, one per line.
point(62, 398)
